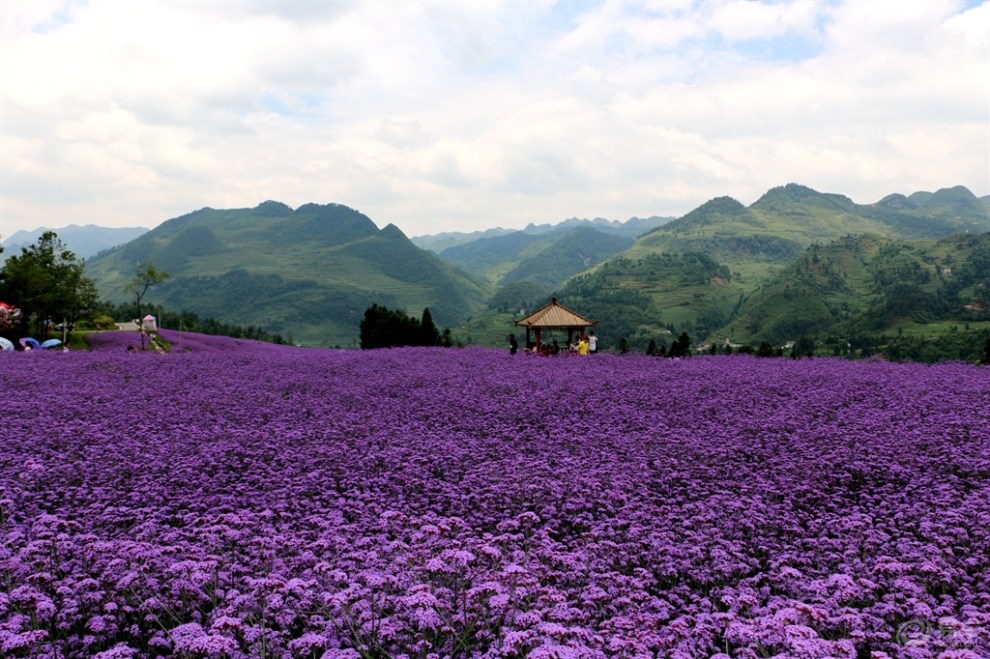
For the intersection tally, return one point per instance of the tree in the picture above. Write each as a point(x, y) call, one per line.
point(623, 346)
point(804, 347)
point(429, 335)
point(385, 328)
point(651, 349)
point(143, 280)
point(681, 347)
point(48, 283)
point(765, 350)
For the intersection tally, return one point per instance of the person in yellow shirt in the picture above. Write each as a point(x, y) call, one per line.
point(583, 345)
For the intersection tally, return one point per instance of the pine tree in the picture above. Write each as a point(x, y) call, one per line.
point(429, 335)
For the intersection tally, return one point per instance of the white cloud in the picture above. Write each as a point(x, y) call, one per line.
point(443, 116)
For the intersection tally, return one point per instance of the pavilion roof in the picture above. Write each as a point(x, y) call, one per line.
point(555, 316)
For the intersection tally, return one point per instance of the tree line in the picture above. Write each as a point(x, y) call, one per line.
point(382, 327)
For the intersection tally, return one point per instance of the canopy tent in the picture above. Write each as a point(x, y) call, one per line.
point(554, 316)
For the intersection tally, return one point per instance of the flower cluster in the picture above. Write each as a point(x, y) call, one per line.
point(416, 502)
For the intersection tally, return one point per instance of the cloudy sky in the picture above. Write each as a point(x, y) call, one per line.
point(445, 116)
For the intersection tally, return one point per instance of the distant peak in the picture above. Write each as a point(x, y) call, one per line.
point(392, 231)
point(896, 201)
point(723, 205)
point(956, 192)
point(273, 208)
point(794, 193)
point(789, 191)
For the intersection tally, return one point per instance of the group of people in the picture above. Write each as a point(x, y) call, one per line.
point(582, 345)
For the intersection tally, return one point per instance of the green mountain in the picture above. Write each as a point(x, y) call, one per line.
point(867, 284)
point(796, 262)
point(438, 242)
point(84, 241)
point(545, 258)
point(631, 228)
point(702, 273)
point(307, 273)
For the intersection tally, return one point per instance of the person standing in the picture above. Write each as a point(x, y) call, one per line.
point(583, 346)
point(592, 343)
point(513, 344)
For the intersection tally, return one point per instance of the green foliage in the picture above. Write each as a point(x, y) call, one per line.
point(637, 298)
point(386, 328)
point(765, 350)
point(868, 285)
point(429, 335)
point(803, 347)
point(310, 272)
point(519, 295)
point(681, 347)
point(47, 283)
point(966, 346)
point(192, 242)
point(146, 277)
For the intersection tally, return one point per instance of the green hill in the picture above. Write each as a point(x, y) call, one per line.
point(796, 262)
point(571, 253)
point(869, 285)
point(725, 269)
point(308, 273)
point(631, 228)
point(545, 258)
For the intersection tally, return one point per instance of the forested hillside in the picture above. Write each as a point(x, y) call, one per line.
point(308, 273)
point(796, 262)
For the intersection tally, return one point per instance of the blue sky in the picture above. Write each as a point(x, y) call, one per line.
point(460, 116)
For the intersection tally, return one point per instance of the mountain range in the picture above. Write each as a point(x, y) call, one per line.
point(307, 273)
point(84, 240)
point(705, 272)
point(795, 262)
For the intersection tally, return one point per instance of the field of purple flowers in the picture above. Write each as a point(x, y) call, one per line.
point(279, 502)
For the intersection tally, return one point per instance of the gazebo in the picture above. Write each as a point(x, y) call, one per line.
point(554, 316)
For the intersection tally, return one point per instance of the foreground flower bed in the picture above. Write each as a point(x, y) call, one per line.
point(419, 502)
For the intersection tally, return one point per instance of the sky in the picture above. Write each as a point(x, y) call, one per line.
point(460, 116)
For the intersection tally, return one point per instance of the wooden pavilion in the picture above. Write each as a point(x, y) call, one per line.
point(554, 316)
